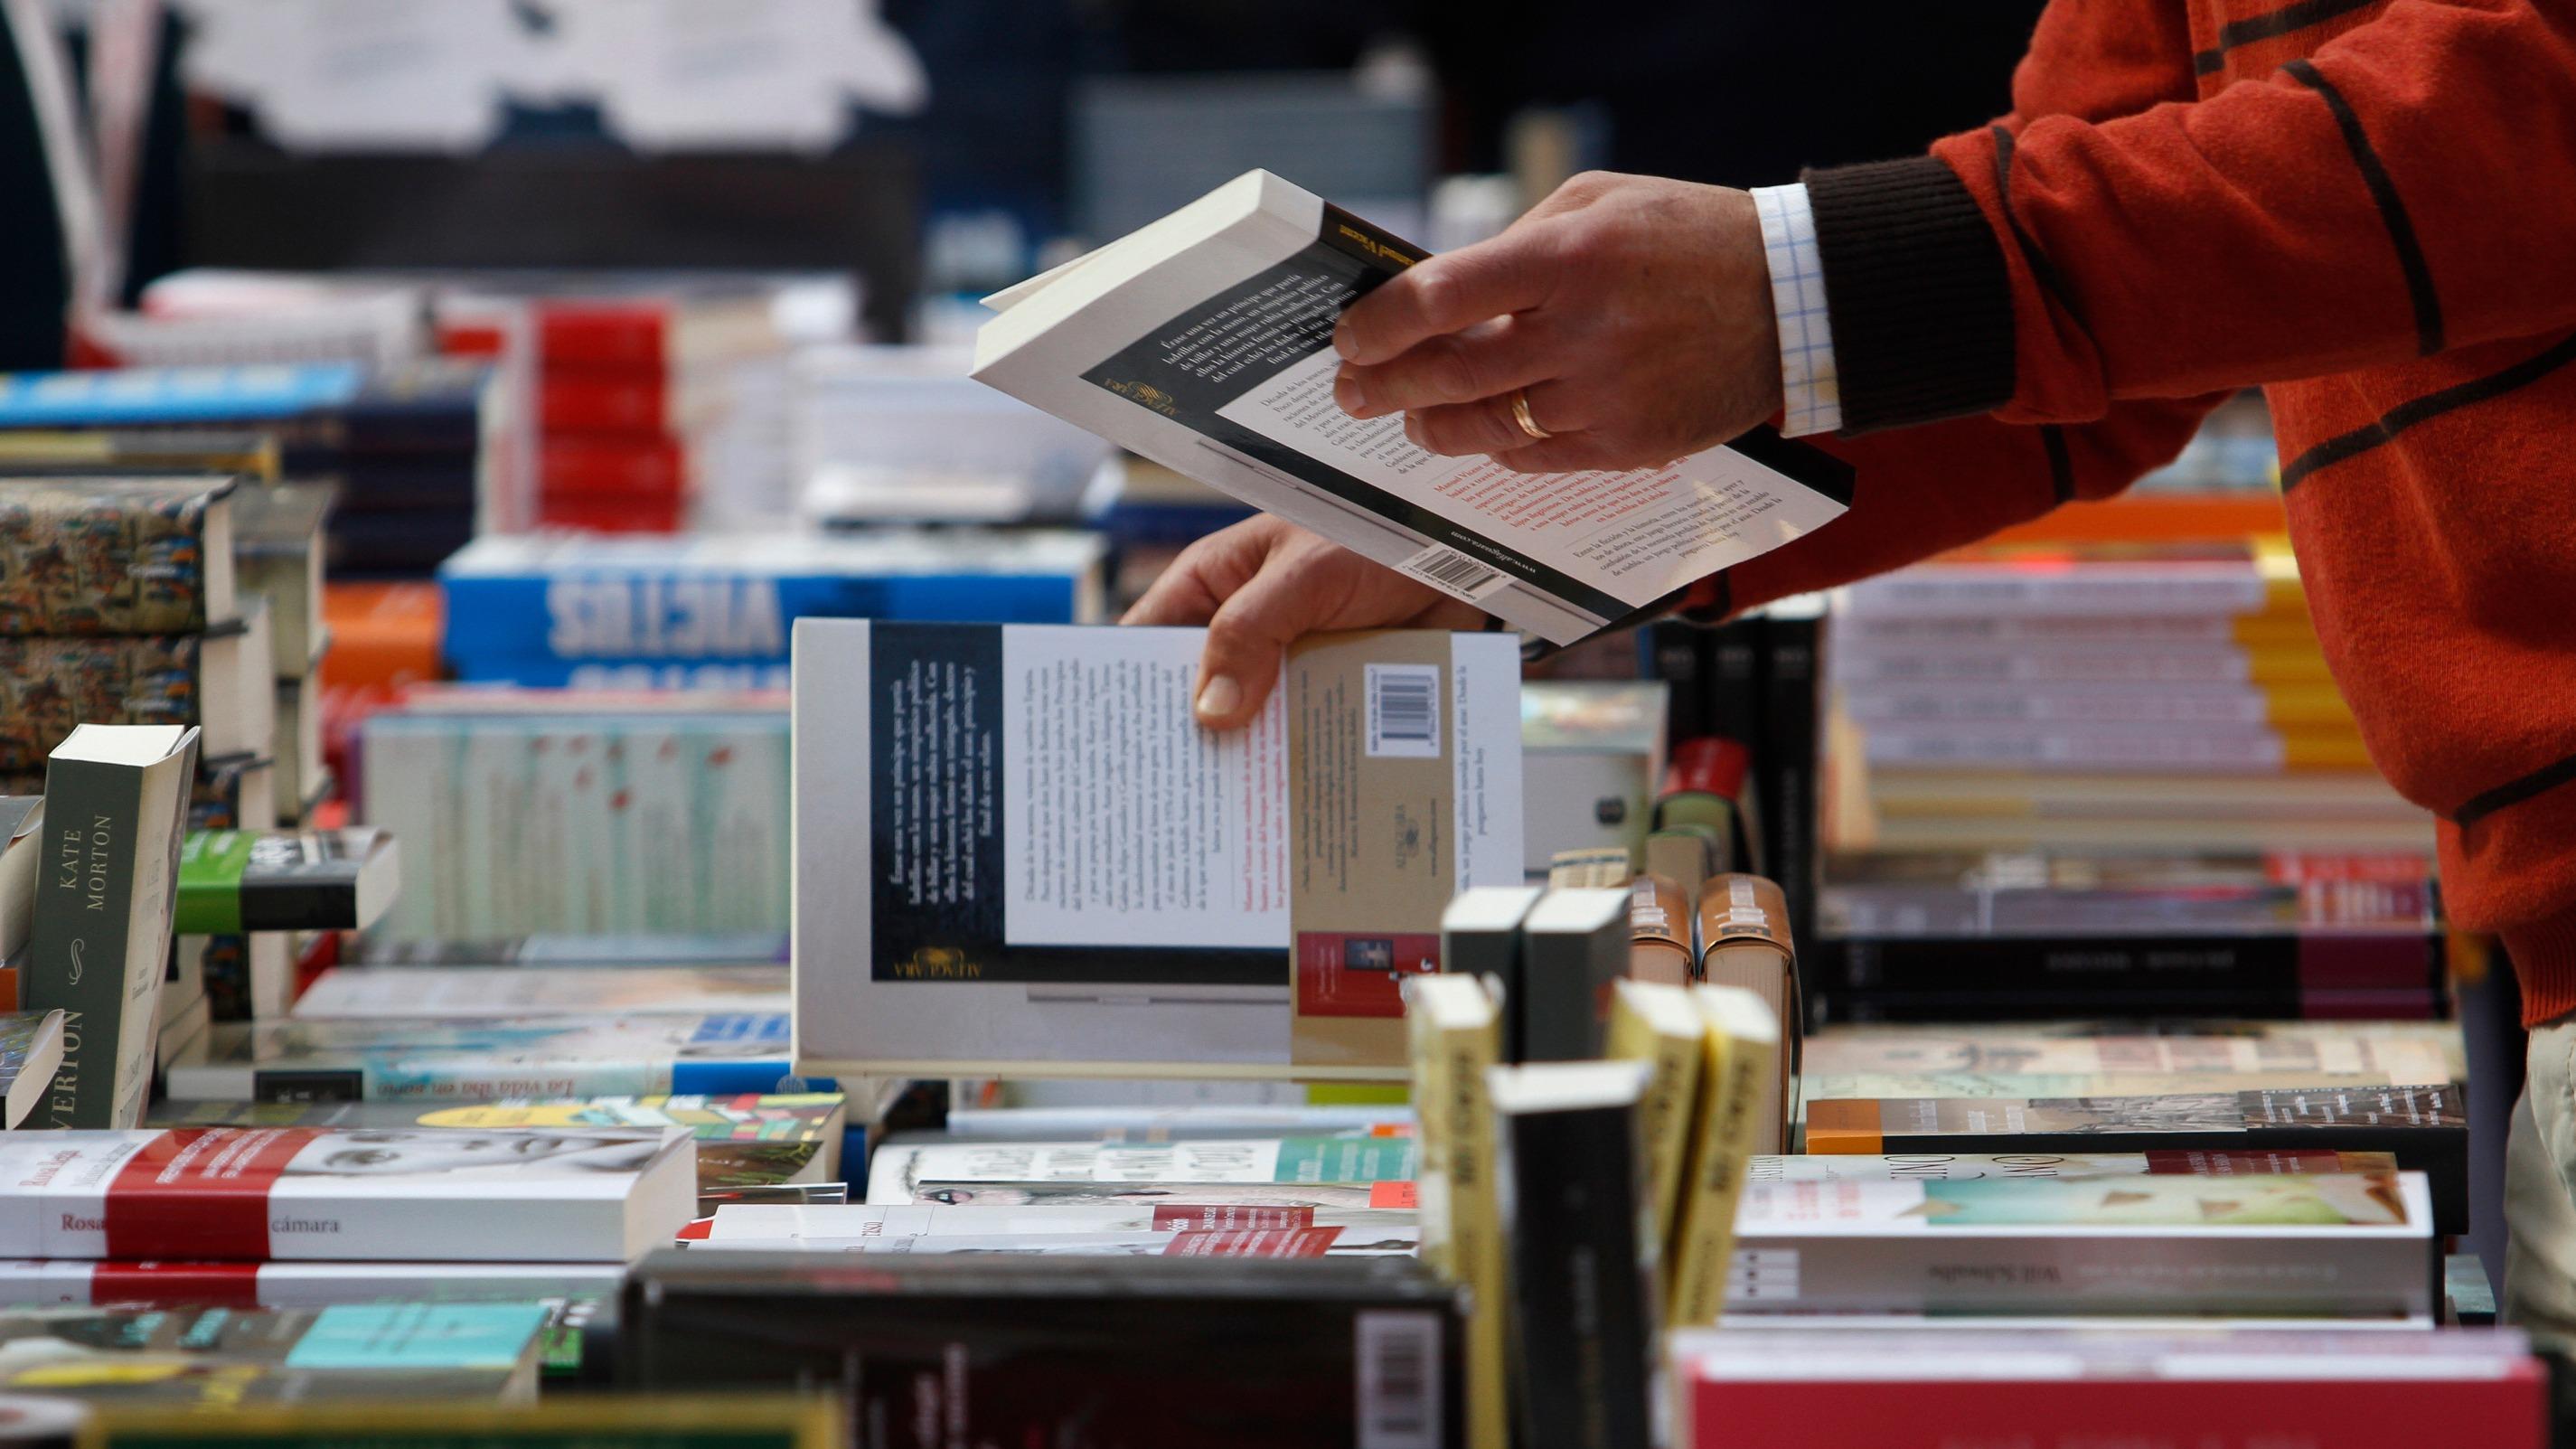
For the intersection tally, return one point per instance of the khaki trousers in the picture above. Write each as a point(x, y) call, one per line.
point(2540, 1191)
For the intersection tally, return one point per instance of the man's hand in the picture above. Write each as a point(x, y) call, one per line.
point(1635, 312)
point(1263, 583)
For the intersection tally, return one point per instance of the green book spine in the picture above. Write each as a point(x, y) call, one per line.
point(77, 949)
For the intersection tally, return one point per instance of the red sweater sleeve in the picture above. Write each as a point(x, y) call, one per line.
point(2409, 188)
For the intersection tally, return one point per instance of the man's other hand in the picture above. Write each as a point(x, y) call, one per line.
point(1262, 583)
point(1634, 312)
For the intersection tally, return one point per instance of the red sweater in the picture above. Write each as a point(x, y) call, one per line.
point(2367, 208)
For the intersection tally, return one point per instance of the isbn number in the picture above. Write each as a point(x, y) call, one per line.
point(1404, 711)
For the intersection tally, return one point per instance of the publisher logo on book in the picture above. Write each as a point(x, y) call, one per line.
point(1145, 394)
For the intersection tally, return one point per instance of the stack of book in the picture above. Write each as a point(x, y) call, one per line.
point(715, 613)
point(407, 445)
point(2103, 697)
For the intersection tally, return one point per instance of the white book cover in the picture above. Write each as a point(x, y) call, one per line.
point(897, 1170)
point(1284, 1242)
point(417, 992)
point(72, 1283)
point(1016, 844)
point(764, 1223)
point(251, 1194)
point(1204, 342)
point(2357, 1244)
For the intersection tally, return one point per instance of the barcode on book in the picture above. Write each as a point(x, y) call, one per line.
point(1452, 572)
point(1398, 1372)
point(1404, 711)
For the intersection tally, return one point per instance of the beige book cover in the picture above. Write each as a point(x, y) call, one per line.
point(1455, 1036)
point(1743, 1038)
point(1660, 1026)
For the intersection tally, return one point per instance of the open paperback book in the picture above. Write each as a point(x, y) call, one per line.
point(1204, 342)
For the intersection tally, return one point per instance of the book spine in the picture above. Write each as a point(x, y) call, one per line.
point(139, 679)
point(2330, 1412)
point(1582, 1302)
point(1461, 1228)
point(2135, 1003)
point(606, 401)
point(1731, 1098)
point(619, 335)
point(1786, 780)
point(1914, 1269)
point(2152, 664)
point(628, 471)
point(1564, 979)
point(2271, 966)
point(668, 618)
point(77, 951)
point(2195, 589)
point(1676, 654)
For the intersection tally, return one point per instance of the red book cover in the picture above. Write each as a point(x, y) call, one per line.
point(470, 339)
point(604, 334)
point(603, 400)
point(1815, 1412)
point(611, 513)
point(1707, 765)
point(618, 465)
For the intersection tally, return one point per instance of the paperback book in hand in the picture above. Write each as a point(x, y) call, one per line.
point(1205, 342)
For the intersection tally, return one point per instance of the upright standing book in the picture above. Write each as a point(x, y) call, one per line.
point(1584, 1258)
point(117, 799)
point(1204, 342)
point(1457, 1039)
point(1015, 844)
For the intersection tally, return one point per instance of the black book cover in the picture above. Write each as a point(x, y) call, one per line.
point(1785, 766)
point(1077, 1353)
point(2270, 965)
point(1583, 1306)
point(1965, 1001)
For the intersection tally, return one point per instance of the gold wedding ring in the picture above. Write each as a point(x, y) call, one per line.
point(1521, 415)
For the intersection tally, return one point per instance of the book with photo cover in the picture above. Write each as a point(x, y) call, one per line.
point(215, 1358)
point(488, 1058)
point(1399, 1196)
point(756, 1223)
point(252, 1194)
point(1204, 342)
point(1011, 1349)
point(2426, 1128)
point(218, 680)
point(116, 556)
point(743, 1141)
point(2354, 1245)
point(1016, 844)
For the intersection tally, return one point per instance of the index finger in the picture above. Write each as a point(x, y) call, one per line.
point(1447, 293)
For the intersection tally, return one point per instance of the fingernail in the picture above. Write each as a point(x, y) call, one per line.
point(1344, 344)
point(1218, 697)
point(1352, 395)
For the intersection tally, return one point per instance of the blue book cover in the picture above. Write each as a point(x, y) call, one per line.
point(530, 609)
point(418, 1336)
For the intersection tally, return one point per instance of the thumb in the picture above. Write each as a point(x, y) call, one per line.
point(1246, 641)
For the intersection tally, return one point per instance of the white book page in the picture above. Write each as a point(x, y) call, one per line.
point(1132, 825)
point(1637, 535)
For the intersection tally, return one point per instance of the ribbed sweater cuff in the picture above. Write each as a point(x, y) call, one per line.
point(1916, 286)
point(2544, 961)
